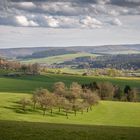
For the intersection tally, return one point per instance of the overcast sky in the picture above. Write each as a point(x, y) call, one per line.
point(35, 23)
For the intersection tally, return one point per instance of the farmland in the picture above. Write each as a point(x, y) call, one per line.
point(58, 59)
point(109, 120)
point(26, 84)
point(42, 131)
point(106, 113)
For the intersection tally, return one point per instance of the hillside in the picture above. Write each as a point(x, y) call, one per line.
point(38, 131)
point(48, 53)
point(57, 59)
point(27, 84)
point(109, 120)
point(100, 115)
point(120, 61)
point(108, 49)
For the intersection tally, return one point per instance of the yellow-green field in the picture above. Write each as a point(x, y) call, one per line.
point(105, 113)
point(58, 58)
point(109, 120)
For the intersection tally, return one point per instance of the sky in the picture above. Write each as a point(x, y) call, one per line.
point(35, 23)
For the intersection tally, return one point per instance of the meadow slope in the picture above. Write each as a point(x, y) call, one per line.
point(57, 59)
point(45, 131)
point(105, 113)
point(110, 120)
point(27, 84)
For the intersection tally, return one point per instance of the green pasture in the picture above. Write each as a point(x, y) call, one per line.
point(26, 84)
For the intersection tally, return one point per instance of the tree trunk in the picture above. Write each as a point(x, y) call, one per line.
point(67, 114)
point(23, 107)
point(87, 109)
point(44, 112)
point(59, 109)
point(75, 112)
point(51, 111)
point(90, 107)
point(34, 105)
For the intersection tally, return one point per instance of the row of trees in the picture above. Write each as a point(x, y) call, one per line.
point(108, 91)
point(15, 66)
point(63, 98)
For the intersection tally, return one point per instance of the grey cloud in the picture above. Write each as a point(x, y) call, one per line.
point(66, 13)
point(126, 3)
point(115, 2)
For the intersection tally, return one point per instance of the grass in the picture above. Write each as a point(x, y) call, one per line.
point(67, 70)
point(58, 58)
point(26, 84)
point(106, 113)
point(45, 131)
point(3, 72)
point(107, 121)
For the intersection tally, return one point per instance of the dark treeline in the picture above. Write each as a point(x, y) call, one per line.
point(122, 61)
point(108, 91)
point(48, 53)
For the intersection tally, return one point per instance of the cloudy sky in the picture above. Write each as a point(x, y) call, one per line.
point(34, 23)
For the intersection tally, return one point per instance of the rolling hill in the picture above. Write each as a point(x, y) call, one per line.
point(108, 49)
point(109, 120)
point(57, 59)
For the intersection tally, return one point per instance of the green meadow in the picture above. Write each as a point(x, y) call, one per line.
point(58, 58)
point(105, 113)
point(109, 120)
point(13, 130)
point(26, 84)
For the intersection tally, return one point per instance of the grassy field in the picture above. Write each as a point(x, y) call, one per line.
point(26, 84)
point(58, 58)
point(44, 131)
point(106, 113)
point(107, 121)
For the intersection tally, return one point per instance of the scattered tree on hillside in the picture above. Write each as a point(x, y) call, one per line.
point(130, 94)
point(59, 89)
point(90, 98)
point(118, 93)
point(106, 90)
point(24, 102)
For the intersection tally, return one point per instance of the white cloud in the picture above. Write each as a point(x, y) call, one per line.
point(116, 21)
point(90, 22)
point(102, 1)
point(23, 21)
point(27, 4)
point(52, 22)
point(66, 13)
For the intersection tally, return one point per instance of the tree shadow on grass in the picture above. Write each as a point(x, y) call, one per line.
point(57, 113)
point(17, 108)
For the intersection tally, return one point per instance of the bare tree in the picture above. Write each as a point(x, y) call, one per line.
point(24, 102)
point(59, 88)
point(74, 92)
point(106, 90)
point(67, 106)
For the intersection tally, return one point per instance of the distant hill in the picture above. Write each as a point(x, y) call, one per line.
point(57, 59)
point(120, 61)
point(107, 49)
point(48, 53)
